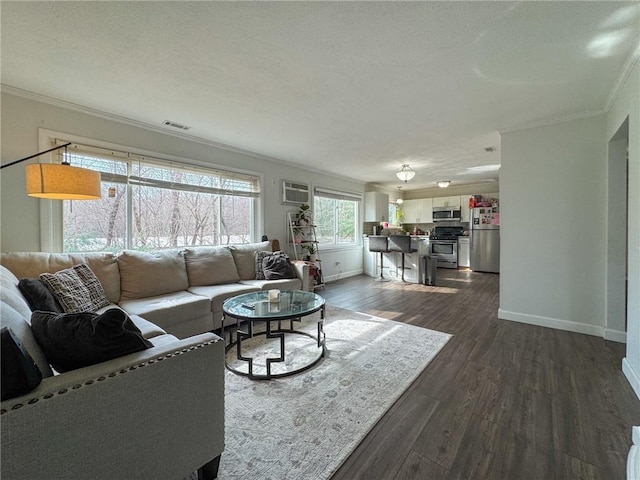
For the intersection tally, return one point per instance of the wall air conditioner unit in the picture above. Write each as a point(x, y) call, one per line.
point(295, 193)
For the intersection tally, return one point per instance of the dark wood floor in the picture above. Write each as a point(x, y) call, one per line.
point(502, 400)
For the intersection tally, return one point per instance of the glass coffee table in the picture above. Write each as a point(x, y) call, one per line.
point(284, 350)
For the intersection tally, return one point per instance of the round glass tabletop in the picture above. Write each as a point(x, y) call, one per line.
point(264, 305)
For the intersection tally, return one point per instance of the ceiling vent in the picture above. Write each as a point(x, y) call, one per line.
point(169, 123)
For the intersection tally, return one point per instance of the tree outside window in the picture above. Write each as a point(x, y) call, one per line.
point(152, 206)
point(336, 220)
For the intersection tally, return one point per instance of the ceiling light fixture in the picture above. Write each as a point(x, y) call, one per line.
point(406, 173)
point(399, 201)
point(60, 181)
point(443, 183)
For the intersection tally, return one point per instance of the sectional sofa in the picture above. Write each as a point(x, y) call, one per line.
point(179, 290)
point(156, 413)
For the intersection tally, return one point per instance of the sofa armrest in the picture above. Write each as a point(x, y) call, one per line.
point(152, 414)
point(302, 272)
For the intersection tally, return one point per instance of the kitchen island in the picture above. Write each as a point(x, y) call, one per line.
point(392, 261)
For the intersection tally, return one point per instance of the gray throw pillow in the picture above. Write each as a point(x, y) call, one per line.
point(259, 256)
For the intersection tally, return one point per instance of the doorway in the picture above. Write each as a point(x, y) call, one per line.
point(617, 233)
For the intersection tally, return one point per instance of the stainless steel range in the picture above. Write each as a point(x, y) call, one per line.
point(443, 245)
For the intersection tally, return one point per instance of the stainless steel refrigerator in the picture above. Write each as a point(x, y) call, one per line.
point(485, 239)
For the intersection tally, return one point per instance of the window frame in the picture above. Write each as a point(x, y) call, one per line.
point(51, 212)
point(342, 195)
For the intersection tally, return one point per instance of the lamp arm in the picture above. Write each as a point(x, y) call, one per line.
point(35, 155)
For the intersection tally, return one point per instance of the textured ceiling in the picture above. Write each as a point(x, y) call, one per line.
point(350, 88)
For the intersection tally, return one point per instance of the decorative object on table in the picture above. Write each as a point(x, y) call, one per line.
point(60, 181)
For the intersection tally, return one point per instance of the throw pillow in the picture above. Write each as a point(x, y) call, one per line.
point(259, 256)
point(38, 295)
point(76, 289)
point(77, 340)
point(19, 373)
point(96, 292)
point(278, 266)
point(244, 256)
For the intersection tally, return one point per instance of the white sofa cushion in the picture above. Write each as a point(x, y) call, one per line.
point(217, 294)
point(244, 256)
point(178, 313)
point(210, 266)
point(149, 274)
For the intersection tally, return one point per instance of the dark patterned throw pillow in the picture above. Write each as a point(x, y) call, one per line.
point(259, 256)
point(76, 289)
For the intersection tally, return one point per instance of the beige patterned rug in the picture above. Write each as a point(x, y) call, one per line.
point(304, 426)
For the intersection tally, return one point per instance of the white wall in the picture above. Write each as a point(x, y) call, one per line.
point(20, 214)
point(553, 223)
point(627, 106)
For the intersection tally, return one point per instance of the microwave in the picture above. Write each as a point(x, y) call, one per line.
point(446, 214)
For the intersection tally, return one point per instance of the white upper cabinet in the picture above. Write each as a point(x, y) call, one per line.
point(410, 210)
point(376, 207)
point(417, 211)
point(446, 201)
point(425, 210)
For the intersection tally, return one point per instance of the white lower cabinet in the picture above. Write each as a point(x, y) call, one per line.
point(369, 260)
point(392, 262)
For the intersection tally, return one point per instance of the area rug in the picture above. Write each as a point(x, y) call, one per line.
point(305, 426)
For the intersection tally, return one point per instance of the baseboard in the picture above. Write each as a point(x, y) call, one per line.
point(632, 376)
point(615, 335)
point(540, 321)
point(335, 278)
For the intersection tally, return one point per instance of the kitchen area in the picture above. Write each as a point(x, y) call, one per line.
point(453, 232)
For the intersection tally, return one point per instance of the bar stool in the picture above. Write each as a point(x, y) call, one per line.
point(402, 244)
point(379, 244)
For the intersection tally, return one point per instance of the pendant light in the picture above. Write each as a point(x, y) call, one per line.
point(406, 173)
point(443, 183)
point(60, 181)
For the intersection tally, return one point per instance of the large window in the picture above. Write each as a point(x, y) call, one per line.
point(152, 204)
point(336, 217)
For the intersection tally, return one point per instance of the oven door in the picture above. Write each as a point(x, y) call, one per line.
point(446, 251)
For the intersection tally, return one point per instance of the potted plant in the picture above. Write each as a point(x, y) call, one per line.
point(303, 216)
point(312, 252)
point(298, 235)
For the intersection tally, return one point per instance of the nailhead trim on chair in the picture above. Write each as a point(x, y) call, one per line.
point(102, 378)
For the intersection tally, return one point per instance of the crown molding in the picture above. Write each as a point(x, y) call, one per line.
point(56, 102)
point(37, 97)
point(552, 121)
point(628, 67)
